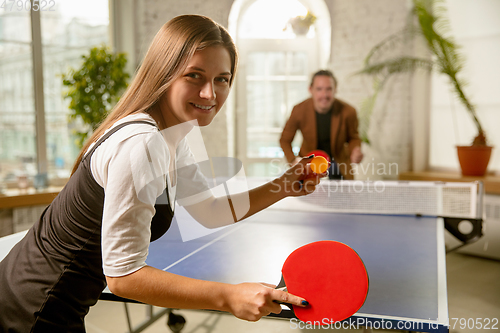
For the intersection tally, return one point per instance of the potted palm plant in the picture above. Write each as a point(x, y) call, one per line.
point(428, 19)
point(94, 88)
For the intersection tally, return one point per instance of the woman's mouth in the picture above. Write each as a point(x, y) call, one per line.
point(203, 108)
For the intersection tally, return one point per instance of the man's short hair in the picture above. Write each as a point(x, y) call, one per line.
point(324, 72)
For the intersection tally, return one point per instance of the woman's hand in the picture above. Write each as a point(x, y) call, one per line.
point(299, 179)
point(252, 301)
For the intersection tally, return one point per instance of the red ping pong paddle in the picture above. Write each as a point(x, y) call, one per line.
point(319, 152)
point(330, 276)
point(316, 153)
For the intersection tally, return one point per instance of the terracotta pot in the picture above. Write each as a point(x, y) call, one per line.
point(474, 159)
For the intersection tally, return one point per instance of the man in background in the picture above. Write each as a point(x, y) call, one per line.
point(328, 124)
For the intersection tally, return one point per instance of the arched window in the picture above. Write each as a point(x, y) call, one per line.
point(266, 19)
point(277, 60)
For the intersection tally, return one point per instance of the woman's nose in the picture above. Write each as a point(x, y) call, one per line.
point(207, 91)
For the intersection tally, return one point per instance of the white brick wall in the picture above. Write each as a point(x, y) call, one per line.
point(155, 13)
point(356, 26)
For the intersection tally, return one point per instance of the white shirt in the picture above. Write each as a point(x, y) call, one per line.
point(132, 166)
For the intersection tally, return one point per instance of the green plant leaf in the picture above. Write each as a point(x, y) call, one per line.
point(446, 58)
point(95, 87)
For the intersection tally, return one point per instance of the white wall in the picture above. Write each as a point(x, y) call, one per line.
point(357, 26)
point(476, 27)
point(155, 13)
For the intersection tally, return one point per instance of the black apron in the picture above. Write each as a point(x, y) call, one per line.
point(51, 278)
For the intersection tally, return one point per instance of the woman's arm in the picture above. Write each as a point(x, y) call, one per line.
point(218, 212)
point(249, 301)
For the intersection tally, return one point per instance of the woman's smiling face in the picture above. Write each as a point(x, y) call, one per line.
point(199, 93)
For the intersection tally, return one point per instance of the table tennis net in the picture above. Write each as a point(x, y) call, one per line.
point(391, 197)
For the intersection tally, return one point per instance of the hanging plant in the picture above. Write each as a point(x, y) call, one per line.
point(301, 24)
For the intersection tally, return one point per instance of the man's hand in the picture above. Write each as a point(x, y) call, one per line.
point(356, 155)
point(299, 179)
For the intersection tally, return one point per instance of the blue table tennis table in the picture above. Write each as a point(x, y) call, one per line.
point(404, 253)
point(404, 257)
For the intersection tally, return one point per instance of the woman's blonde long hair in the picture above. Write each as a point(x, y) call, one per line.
point(165, 61)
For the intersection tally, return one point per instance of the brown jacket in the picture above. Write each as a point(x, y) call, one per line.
point(344, 126)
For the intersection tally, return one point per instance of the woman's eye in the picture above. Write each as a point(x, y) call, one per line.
point(193, 75)
point(223, 79)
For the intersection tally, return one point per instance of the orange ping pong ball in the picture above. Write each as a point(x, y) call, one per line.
point(319, 164)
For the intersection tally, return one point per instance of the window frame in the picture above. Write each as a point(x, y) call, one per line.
point(40, 129)
point(300, 44)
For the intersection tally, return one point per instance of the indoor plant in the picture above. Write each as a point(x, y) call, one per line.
point(427, 19)
point(95, 87)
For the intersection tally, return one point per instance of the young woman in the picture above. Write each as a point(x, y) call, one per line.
point(97, 230)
